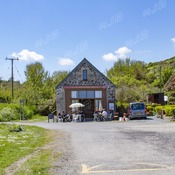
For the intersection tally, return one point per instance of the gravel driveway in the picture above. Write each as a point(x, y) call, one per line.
point(123, 148)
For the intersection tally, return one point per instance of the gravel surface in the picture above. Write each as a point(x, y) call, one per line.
point(136, 147)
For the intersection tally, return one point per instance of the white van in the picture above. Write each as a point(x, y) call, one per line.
point(137, 110)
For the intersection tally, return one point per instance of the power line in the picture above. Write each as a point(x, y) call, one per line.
point(18, 73)
point(12, 59)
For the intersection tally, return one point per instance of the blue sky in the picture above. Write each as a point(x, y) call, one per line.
point(60, 33)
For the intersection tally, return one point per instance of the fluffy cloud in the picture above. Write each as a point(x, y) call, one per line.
point(65, 61)
point(27, 55)
point(120, 53)
point(109, 57)
point(173, 40)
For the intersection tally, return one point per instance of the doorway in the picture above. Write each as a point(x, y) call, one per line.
point(89, 107)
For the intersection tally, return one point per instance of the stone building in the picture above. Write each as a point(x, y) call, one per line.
point(87, 85)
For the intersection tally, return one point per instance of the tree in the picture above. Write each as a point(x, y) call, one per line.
point(34, 86)
point(39, 88)
point(128, 75)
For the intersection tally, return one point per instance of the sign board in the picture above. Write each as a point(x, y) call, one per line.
point(22, 101)
point(111, 106)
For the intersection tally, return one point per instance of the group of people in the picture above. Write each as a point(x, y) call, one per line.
point(63, 117)
point(79, 116)
point(102, 115)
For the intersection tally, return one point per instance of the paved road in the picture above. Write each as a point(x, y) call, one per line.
point(121, 148)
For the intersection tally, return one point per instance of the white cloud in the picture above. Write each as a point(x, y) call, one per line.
point(109, 57)
point(27, 55)
point(173, 40)
point(121, 53)
point(65, 61)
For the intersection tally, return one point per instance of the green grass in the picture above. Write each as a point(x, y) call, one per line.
point(15, 145)
point(38, 164)
point(35, 118)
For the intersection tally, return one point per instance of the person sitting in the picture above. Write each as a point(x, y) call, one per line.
point(68, 118)
point(82, 116)
point(104, 115)
point(64, 116)
point(60, 118)
point(96, 116)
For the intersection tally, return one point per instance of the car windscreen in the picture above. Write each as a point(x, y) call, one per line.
point(137, 106)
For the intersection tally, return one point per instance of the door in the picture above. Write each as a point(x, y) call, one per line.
point(89, 107)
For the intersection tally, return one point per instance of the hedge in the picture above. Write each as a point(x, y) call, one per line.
point(168, 109)
point(10, 112)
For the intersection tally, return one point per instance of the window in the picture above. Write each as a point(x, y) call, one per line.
point(98, 94)
point(86, 94)
point(137, 106)
point(74, 101)
point(90, 94)
point(84, 74)
point(82, 94)
point(97, 102)
point(74, 94)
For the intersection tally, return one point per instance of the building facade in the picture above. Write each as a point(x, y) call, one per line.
point(87, 85)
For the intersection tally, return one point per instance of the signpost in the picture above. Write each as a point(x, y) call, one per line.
point(21, 110)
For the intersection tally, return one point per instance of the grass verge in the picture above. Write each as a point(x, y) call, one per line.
point(40, 163)
point(35, 118)
point(15, 145)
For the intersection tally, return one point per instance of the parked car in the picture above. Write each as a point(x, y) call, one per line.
point(136, 110)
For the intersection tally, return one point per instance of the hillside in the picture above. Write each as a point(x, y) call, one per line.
point(135, 79)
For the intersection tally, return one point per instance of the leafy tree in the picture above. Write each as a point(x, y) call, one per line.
point(166, 73)
point(39, 88)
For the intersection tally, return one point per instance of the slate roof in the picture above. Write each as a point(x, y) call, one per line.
point(71, 74)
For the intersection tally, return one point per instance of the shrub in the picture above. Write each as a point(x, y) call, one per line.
point(168, 110)
point(46, 107)
point(171, 99)
point(13, 111)
point(158, 109)
point(27, 113)
point(8, 114)
point(150, 110)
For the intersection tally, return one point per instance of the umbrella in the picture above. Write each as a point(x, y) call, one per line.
point(76, 105)
point(100, 108)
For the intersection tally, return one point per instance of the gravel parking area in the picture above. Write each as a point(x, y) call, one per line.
point(123, 148)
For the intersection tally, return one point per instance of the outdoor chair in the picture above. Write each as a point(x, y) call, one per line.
point(110, 116)
point(51, 116)
point(75, 118)
point(95, 117)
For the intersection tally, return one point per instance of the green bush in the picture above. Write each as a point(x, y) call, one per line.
point(28, 113)
point(149, 108)
point(171, 99)
point(13, 111)
point(168, 110)
point(8, 114)
point(46, 107)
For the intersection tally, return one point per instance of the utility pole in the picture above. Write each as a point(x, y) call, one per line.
point(160, 71)
point(12, 59)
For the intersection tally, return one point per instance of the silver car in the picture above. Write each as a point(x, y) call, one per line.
point(137, 110)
